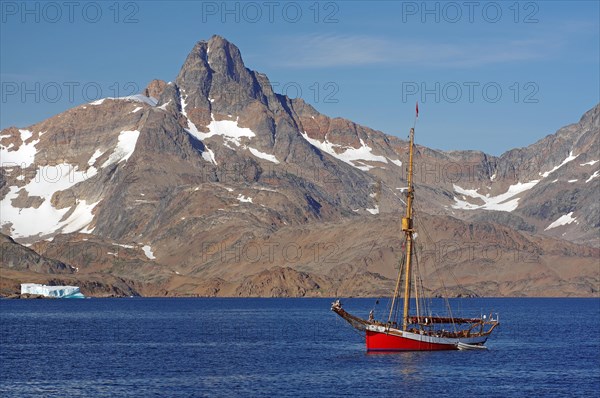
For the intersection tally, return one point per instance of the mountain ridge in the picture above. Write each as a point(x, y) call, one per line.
point(218, 158)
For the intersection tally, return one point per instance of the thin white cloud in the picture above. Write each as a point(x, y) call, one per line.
point(332, 51)
point(322, 51)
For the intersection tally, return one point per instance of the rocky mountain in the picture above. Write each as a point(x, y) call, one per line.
point(20, 264)
point(17, 257)
point(553, 188)
point(214, 184)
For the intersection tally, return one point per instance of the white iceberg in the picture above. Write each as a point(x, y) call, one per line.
point(51, 291)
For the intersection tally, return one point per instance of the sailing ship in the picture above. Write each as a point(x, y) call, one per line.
point(421, 330)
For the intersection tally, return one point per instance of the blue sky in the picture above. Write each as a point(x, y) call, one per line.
point(488, 75)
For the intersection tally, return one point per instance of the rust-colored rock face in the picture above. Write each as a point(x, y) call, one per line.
point(155, 88)
point(215, 185)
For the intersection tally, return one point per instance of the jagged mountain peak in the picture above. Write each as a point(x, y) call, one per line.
point(214, 84)
point(213, 63)
point(225, 59)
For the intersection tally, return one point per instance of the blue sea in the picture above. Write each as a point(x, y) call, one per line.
point(145, 347)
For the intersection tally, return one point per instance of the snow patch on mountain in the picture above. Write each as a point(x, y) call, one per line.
point(397, 162)
point(353, 156)
point(46, 219)
point(567, 160)
point(244, 199)
point(125, 246)
point(137, 98)
point(374, 210)
point(124, 149)
point(95, 157)
point(502, 202)
point(207, 155)
point(80, 219)
point(22, 157)
point(262, 155)
point(148, 252)
point(164, 106)
point(590, 163)
point(28, 222)
point(596, 174)
point(191, 126)
point(562, 220)
point(229, 130)
point(25, 135)
point(507, 200)
point(52, 179)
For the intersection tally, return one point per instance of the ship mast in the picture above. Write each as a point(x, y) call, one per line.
point(407, 228)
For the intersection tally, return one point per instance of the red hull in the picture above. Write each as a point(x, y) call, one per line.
point(377, 341)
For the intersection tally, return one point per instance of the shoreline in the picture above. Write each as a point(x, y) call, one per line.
point(38, 297)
